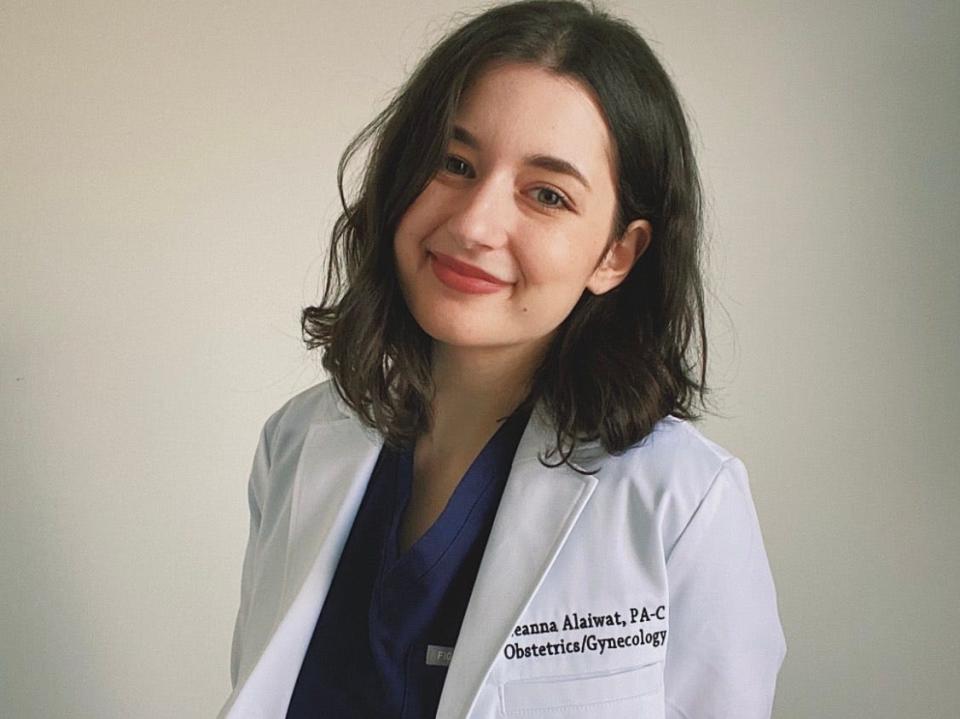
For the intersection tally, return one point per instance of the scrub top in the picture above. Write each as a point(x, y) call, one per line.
point(388, 626)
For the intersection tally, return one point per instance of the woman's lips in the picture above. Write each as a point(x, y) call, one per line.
point(462, 277)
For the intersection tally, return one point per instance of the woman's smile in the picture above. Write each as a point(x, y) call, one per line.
point(464, 277)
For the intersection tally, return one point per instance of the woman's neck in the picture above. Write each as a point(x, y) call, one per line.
point(475, 390)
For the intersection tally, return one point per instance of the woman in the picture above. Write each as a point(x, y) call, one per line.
point(497, 505)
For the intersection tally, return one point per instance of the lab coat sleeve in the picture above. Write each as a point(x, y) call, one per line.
point(261, 465)
point(725, 644)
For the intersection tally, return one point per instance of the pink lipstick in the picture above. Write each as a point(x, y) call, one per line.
point(463, 277)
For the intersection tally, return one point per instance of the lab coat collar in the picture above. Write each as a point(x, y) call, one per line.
point(537, 511)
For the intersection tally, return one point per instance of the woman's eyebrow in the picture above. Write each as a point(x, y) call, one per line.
point(546, 162)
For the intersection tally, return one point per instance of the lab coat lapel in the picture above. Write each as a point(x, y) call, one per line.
point(536, 513)
point(538, 509)
point(335, 464)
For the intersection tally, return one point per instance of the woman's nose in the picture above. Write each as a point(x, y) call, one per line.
point(481, 213)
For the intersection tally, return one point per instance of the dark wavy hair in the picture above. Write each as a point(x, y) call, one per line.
point(620, 361)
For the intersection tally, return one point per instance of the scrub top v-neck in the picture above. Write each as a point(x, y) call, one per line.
point(390, 620)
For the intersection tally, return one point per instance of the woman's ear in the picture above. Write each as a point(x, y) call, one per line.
point(620, 258)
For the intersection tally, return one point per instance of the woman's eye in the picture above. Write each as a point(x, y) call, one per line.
point(550, 198)
point(455, 165)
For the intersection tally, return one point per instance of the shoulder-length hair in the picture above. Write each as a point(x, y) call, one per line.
point(620, 361)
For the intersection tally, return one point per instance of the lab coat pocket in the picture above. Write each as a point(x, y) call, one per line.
point(634, 692)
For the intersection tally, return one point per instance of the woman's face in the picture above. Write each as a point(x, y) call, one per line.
point(526, 195)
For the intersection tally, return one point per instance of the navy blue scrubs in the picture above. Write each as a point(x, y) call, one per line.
point(368, 657)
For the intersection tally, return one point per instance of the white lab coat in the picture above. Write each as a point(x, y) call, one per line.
point(640, 591)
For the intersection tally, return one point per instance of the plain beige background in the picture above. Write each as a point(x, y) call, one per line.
point(166, 190)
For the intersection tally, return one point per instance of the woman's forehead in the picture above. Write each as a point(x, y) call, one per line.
point(530, 108)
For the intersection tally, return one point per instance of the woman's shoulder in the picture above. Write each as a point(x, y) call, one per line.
point(674, 447)
point(675, 462)
point(680, 445)
point(317, 404)
point(670, 474)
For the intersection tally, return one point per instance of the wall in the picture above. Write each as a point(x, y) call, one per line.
point(166, 189)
